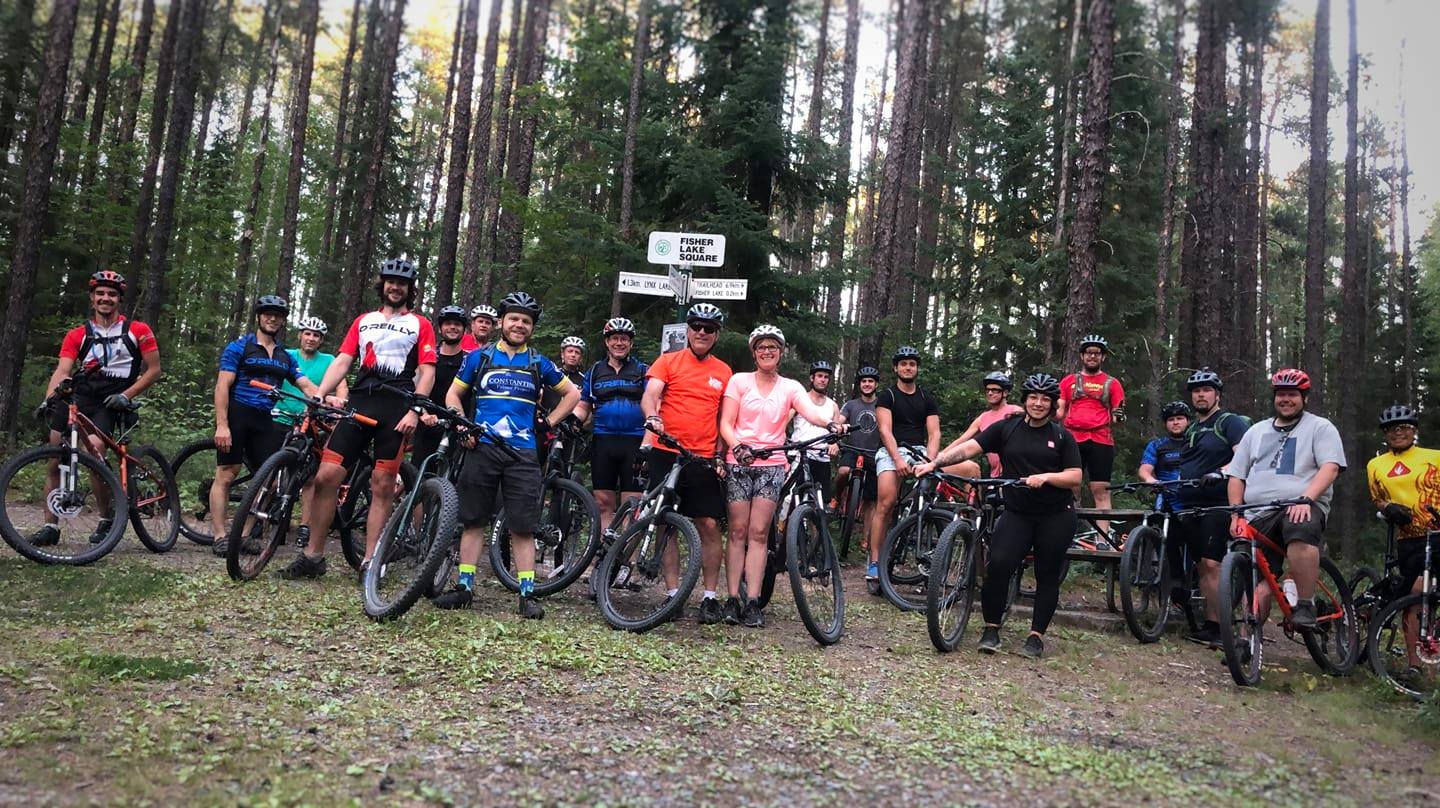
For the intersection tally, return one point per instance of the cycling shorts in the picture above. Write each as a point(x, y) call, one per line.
point(1411, 555)
point(746, 483)
point(105, 419)
point(612, 462)
point(1206, 535)
point(254, 436)
point(701, 493)
point(820, 473)
point(350, 438)
point(1098, 460)
point(490, 475)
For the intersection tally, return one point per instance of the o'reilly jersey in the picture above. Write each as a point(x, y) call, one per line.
point(389, 348)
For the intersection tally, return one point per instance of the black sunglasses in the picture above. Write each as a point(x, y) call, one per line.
point(704, 328)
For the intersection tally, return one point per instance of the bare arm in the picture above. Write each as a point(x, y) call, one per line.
point(884, 421)
point(970, 431)
point(1069, 478)
point(955, 452)
point(150, 375)
point(568, 400)
point(455, 396)
point(932, 435)
point(335, 374)
point(1146, 473)
point(729, 408)
point(811, 411)
point(1324, 478)
point(424, 379)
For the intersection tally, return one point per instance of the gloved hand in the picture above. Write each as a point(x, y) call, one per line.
point(744, 455)
point(1397, 514)
point(42, 412)
point(1212, 479)
point(117, 401)
point(1118, 414)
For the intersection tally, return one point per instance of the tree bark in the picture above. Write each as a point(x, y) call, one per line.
point(208, 92)
point(1407, 276)
point(299, 116)
point(361, 134)
point(632, 130)
point(502, 143)
point(1159, 340)
point(438, 164)
point(840, 195)
point(459, 160)
point(81, 101)
point(1248, 362)
point(39, 162)
point(804, 239)
point(1067, 126)
point(479, 173)
point(1201, 251)
point(1312, 357)
point(270, 16)
point(17, 56)
point(338, 152)
point(1352, 316)
point(136, 83)
point(521, 157)
point(102, 98)
point(245, 250)
point(159, 113)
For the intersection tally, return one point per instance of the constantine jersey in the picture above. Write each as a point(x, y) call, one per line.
point(389, 349)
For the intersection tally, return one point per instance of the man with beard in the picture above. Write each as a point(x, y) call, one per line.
point(112, 360)
point(863, 438)
point(818, 456)
point(908, 419)
point(1089, 402)
point(245, 431)
point(449, 356)
point(611, 393)
point(482, 323)
point(313, 363)
point(396, 349)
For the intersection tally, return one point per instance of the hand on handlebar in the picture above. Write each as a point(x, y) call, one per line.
point(429, 419)
point(744, 455)
point(335, 401)
point(922, 469)
point(119, 401)
point(42, 412)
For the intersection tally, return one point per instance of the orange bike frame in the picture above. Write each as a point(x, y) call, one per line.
point(1259, 542)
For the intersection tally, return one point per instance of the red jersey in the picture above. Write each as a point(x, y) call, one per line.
point(1088, 416)
point(108, 359)
point(389, 348)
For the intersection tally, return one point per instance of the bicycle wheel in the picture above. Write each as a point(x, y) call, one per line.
point(906, 555)
point(815, 574)
point(852, 505)
point(1368, 601)
point(1390, 651)
point(412, 546)
point(352, 515)
point(623, 518)
point(73, 517)
point(1334, 643)
point(951, 592)
point(194, 472)
point(1145, 584)
point(1240, 632)
point(154, 500)
point(566, 539)
point(263, 516)
point(635, 596)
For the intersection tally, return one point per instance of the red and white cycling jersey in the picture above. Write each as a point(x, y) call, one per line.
point(389, 348)
point(108, 358)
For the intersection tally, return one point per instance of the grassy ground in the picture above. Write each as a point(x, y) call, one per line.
point(153, 679)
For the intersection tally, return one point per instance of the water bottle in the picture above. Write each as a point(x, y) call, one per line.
point(1291, 593)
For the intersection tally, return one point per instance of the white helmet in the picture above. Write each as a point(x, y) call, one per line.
point(763, 331)
point(484, 310)
point(619, 325)
point(572, 342)
point(314, 324)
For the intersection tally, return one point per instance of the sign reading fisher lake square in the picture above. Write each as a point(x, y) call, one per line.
point(690, 249)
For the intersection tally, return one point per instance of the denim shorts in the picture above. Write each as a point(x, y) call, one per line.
point(884, 462)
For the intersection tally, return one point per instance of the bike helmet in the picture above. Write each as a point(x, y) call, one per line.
point(706, 311)
point(618, 325)
point(1204, 377)
point(1290, 379)
point(997, 378)
point(905, 352)
point(314, 324)
point(452, 313)
point(867, 372)
point(1399, 414)
point(821, 366)
point(1041, 383)
point(398, 268)
point(272, 303)
point(1096, 340)
point(572, 342)
point(110, 278)
point(766, 330)
point(521, 302)
point(1175, 408)
point(484, 310)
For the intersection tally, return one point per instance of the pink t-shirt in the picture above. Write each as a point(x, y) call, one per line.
point(760, 420)
point(987, 420)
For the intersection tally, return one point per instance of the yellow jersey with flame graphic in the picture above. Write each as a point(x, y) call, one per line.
point(1410, 478)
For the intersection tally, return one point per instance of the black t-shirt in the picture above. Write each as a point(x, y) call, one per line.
point(1211, 444)
point(446, 366)
point(908, 412)
point(1026, 450)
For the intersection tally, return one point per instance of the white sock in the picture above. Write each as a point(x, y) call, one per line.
point(709, 594)
point(671, 593)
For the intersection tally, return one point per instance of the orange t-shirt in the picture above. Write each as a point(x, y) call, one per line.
point(690, 406)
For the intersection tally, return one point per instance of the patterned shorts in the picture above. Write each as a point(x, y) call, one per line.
point(744, 483)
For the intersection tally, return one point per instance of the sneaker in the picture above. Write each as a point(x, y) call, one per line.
point(990, 640)
point(101, 531)
point(731, 611)
point(46, 536)
point(304, 567)
point(709, 612)
point(221, 547)
point(1303, 615)
point(752, 616)
point(872, 572)
point(302, 537)
point(530, 609)
point(1034, 646)
point(456, 597)
point(1208, 634)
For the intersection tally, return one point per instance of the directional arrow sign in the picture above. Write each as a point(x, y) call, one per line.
point(719, 288)
point(638, 283)
point(693, 249)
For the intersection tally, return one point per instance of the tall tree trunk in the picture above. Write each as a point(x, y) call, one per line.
point(840, 195)
point(1312, 358)
point(1247, 359)
point(1353, 316)
point(498, 153)
point(438, 164)
point(86, 79)
point(1067, 125)
point(521, 157)
point(632, 130)
point(804, 239)
point(213, 78)
point(459, 160)
point(135, 85)
point(1094, 164)
point(1268, 350)
point(1201, 252)
point(362, 132)
point(39, 162)
point(245, 250)
point(299, 116)
point(159, 113)
point(340, 148)
point(480, 178)
point(1407, 276)
point(177, 135)
point(872, 185)
point(17, 56)
point(1159, 347)
point(268, 19)
point(102, 97)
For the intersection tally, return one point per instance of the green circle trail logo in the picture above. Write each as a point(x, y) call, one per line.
point(662, 247)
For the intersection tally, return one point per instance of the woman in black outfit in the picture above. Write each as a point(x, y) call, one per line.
point(1038, 517)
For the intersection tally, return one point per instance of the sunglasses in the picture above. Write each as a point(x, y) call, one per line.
point(996, 390)
point(704, 328)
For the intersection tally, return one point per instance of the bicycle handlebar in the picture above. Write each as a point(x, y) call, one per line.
point(670, 442)
point(456, 421)
point(1194, 482)
point(318, 406)
point(1252, 506)
point(798, 446)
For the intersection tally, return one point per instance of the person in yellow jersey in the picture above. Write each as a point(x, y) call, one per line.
point(1405, 484)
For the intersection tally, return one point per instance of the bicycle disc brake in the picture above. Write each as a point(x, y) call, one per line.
point(64, 505)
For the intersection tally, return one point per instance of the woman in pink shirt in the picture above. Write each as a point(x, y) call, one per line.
point(754, 415)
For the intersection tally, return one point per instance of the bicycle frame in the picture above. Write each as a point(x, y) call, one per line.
point(80, 426)
point(1255, 543)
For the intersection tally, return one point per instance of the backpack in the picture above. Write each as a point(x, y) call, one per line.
point(1192, 432)
point(1078, 388)
point(93, 338)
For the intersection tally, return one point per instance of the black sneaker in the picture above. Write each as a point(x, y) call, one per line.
point(752, 616)
point(1207, 635)
point(103, 529)
point(990, 640)
point(530, 609)
point(1303, 615)
point(457, 597)
point(220, 548)
point(1034, 646)
point(731, 611)
point(304, 567)
point(709, 612)
point(46, 536)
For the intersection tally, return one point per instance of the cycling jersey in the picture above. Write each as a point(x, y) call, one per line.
point(1091, 397)
point(389, 349)
point(249, 361)
point(288, 410)
point(108, 359)
point(507, 389)
point(1165, 455)
point(615, 396)
point(1410, 478)
point(550, 399)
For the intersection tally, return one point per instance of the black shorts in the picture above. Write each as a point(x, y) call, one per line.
point(612, 462)
point(702, 495)
point(425, 442)
point(105, 419)
point(1277, 525)
point(1206, 535)
point(1098, 460)
point(254, 436)
point(869, 487)
point(489, 474)
point(820, 473)
point(1411, 555)
point(351, 437)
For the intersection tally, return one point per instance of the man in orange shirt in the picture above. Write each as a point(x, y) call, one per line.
point(682, 397)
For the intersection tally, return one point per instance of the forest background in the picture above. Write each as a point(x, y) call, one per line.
point(1199, 181)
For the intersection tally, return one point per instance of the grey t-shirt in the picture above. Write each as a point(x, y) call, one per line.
point(852, 411)
point(1277, 464)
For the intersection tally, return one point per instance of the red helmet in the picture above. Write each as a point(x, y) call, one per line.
point(1290, 379)
point(108, 277)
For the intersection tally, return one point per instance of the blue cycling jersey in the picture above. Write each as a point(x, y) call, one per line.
point(1165, 455)
point(615, 396)
point(507, 390)
point(248, 359)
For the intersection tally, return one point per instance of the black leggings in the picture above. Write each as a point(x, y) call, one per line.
point(1015, 535)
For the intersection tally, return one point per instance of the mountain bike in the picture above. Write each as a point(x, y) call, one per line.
point(82, 516)
point(850, 502)
point(905, 556)
point(1403, 641)
point(961, 558)
point(1147, 588)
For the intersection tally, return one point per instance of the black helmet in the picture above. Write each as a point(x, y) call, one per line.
point(1398, 414)
point(521, 302)
point(1096, 340)
point(1204, 377)
point(1041, 383)
point(1173, 409)
point(905, 352)
point(706, 311)
point(821, 366)
point(398, 268)
point(867, 372)
point(272, 303)
point(997, 378)
point(456, 313)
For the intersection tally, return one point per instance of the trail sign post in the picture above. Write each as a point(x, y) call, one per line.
point(682, 252)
